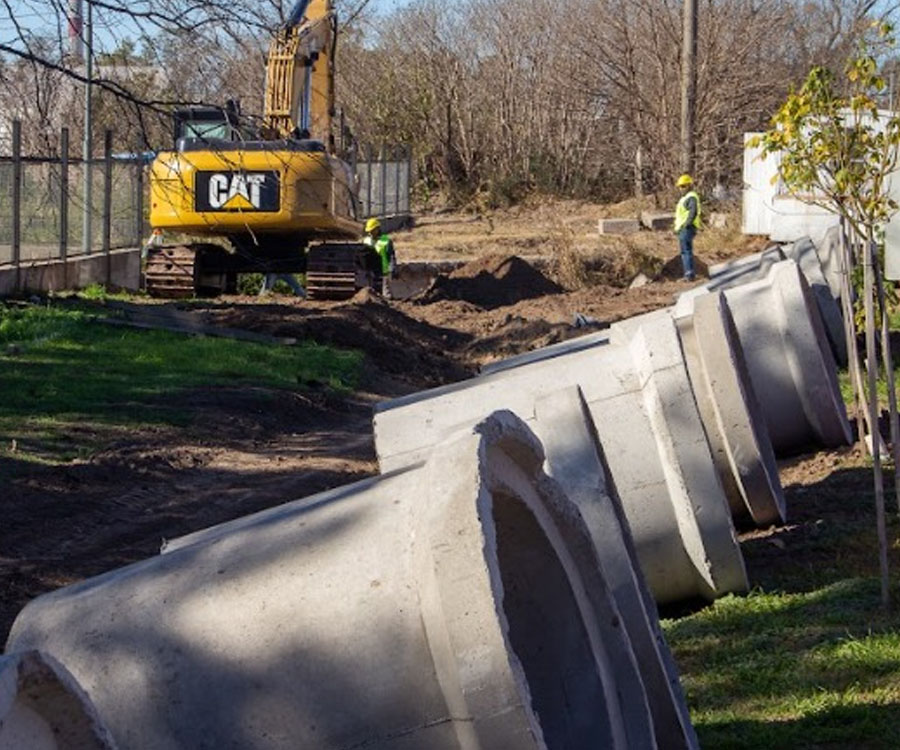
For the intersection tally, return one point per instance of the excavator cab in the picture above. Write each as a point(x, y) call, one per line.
point(210, 123)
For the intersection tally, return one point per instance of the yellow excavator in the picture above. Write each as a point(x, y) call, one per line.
point(279, 196)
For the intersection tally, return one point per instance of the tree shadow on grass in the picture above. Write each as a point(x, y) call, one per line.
point(838, 728)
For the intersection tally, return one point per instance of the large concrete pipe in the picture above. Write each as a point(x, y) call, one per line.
point(829, 252)
point(458, 604)
point(647, 421)
point(732, 417)
point(790, 361)
point(574, 458)
point(745, 268)
point(547, 352)
point(804, 254)
point(42, 707)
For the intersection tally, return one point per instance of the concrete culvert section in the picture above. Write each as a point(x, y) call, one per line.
point(42, 707)
point(805, 254)
point(647, 422)
point(732, 416)
point(574, 458)
point(453, 605)
point(790, 361)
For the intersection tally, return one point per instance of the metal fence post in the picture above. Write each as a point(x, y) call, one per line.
point(107, 199)
point(17, 200)
point(64, 201)
point(409, 177)
point(397, 154)
point(139, 203)
point(383, 180)
point(369, 157)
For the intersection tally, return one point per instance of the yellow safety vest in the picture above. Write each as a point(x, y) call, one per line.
point(681, 211)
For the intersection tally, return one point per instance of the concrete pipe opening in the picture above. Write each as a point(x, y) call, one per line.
point(547, 634)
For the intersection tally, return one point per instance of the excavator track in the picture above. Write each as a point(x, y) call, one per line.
point(171, 271)
point(337, 271)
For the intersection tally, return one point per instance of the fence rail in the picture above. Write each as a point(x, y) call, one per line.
point(42, 205)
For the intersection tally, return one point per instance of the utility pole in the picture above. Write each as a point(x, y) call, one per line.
point(688, 84)
point(88, 124)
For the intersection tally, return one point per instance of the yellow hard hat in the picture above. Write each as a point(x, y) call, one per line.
point(372, 225)
point(684, 181)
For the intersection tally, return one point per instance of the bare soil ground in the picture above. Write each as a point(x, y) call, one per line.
point(242, 451)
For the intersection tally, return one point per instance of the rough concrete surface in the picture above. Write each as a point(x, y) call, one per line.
point(618, 226)
point(455, 604)
point(804, 254)
point(42, 707)
point(574, 458)
point(122, 268)
point(790, 360)
point(657, 465)
point(658, 220)
point(731, 413)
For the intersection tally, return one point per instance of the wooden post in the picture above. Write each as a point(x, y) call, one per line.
point(875, 434)
point(64, 202)
point(17, 201)
point(107, 200)
point(888, 360)
point(688, 84)
point(860, 408)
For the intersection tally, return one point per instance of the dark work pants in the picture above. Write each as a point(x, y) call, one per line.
point(686, 242)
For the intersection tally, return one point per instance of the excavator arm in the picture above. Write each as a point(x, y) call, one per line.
point(299, 93)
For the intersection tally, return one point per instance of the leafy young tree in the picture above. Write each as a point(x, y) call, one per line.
point(837, 150)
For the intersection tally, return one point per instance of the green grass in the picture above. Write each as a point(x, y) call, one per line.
point(61, 372)
point(809, 659)
point(792, 670)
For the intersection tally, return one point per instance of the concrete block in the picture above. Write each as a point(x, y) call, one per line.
point(42, 707)
point(789, 359)
point(656, 464)
point(574, 458)
point(457, 604)
point(803, 253)
point(658, 220)
point(618, 226)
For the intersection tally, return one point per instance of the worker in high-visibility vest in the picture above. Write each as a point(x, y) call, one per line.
point(687, 222)
point(384, 247)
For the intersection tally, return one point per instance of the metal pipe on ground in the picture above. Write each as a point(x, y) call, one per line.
point(646, 419)
point(456, 604)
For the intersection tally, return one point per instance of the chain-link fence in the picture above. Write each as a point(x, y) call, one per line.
point(44, 218)
point(384, 181)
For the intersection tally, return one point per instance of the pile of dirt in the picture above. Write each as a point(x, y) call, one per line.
point(491, 282)
point(672, 269)
point(408, 350)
